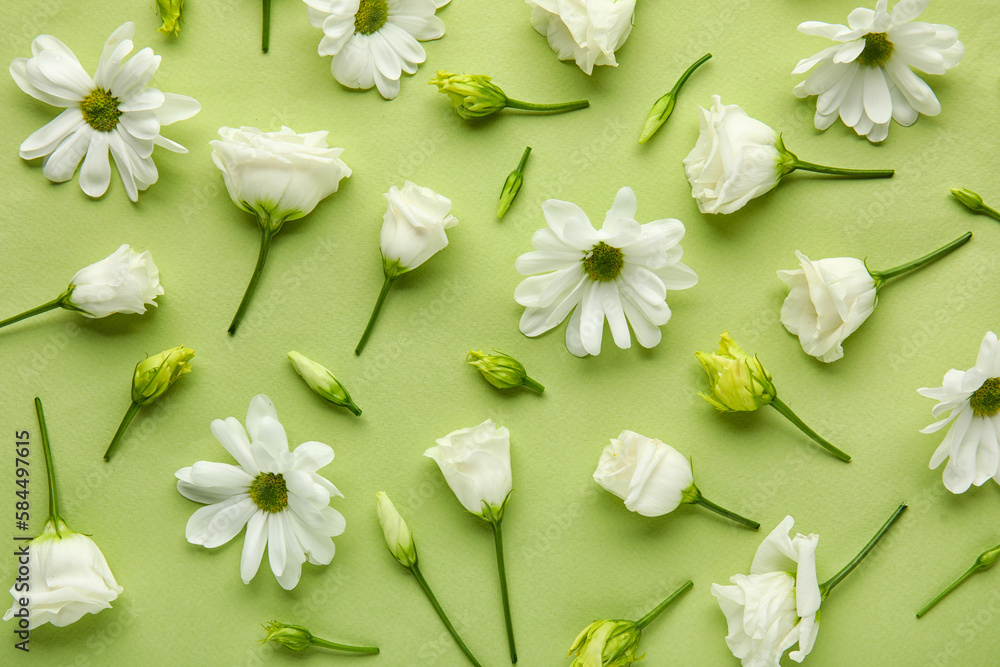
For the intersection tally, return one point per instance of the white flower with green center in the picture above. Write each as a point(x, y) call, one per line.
point(620, 273)
point(867, 79)
point(276, 493)
point(972, 399)
point(374, 41)
point(112, 111)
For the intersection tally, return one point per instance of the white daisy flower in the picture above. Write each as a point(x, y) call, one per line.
point(973, 399)
point(112, 111)
point(274, 492)
point(374, 41)
point(621, 272)
point(867, 79)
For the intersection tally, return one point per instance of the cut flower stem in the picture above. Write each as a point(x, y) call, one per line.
point(126, 420)
point(651, 616)
point(444, 617)
point(389, 280)
point(787, 413)
point(829, 585)
point(265, 245)
point(881, 277)
point(722, 511)
point(498, 539)
point(558, 107)
point(984, 562)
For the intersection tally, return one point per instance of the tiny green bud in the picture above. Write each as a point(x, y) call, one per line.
point(471, 95)
point(969, 198)
point(664, 106)
point(513, 184)
point(740, 383)
point(293, 637)
point(154, 375)
point(502, 370)
point(170, 13)
point(397, 534)
point(606, 644)
point(321, 381)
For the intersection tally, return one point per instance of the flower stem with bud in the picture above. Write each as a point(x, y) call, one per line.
point(986, 560)
point(787, 413)
point(829, 585)
point(664, 106)
point(881, 277)
point(974, 202)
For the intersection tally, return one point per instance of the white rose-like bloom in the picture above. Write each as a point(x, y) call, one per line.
point(649, 475)
point(587, 31)
point(621, 273)
point(476, 464)
point(278, 175)
point(866, 80)
point(125, 281)
point(374, 41)
point(68, 577)
point(735, 159)
point(413, 227)
point(276, 493)
point(775, 606)
point(113, 111)
point(972, 399)
point(828, 300)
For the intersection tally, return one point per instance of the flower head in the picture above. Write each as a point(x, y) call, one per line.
point(112, 111)
point(278, 176)
point(471, 95)
point(587, 31)
point(501, 370)
point(649, 475)
point(276, 493)
point(971, 400)
point(867, 79)
point(740, 383)
point(620, 273)
point(607, 644)
point(828, 300)
point(170, 13)
point(398, 538)
point(293, 637)
point(321, 380)
point(123, 282)
point(777, 604)
point(476, 464)
point(374, 41)
point(154, 375)
point(413, 227)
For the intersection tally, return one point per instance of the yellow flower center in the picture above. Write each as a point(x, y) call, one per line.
point(985, 401)
point(604, 262)
point(878, 50)
point(100, 110)
point(269, 492)
point(371, 16)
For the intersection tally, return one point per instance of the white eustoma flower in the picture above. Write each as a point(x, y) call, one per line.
point(648, 474)
point(587, 31)
point(68, 577)
point(276, 493)
point(125, 281)
point(972, 400)
point(867, 80)
point(621, 272)
point(828, 300)
point(775, 606)
point(476, 464)
point(374, 41)
point(112, 111)
point(413, 226)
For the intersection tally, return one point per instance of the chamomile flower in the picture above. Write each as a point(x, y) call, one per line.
point(972, 399)
point(276, 493)
point(374, 41)
point(620, 273)
point(867, 79)
point(112, 111)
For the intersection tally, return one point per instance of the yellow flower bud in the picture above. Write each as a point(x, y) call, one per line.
point(501, 370)
point(154, 375)
point(740, 383)
point(321, 381)
point(397, 534)
point(170, 14)
point(471, 95)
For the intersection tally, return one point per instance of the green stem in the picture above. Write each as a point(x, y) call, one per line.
point(534, 384)
point(126, 420)
point(882, 276)
point(266, 235)
point(555, 108)
point(50, 469)
point(829, 585)
point(990, 211)
point(498, 535)
point(44, 308)
point(687, 73)
point(437, 607)
point(363, 650)
point(838, 171)
point(787, 413)
point(265, 37)
point(648, 618)
point(985, 561)
point(389, 280)
point(524, 159)
point(732, 516)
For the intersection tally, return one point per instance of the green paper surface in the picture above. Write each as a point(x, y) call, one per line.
point(574, 554)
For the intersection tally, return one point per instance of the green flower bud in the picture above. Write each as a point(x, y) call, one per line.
point(471, 95)
point(969, 198)
point(740, 383)
point(606, 644)
point(501, 370)
point(170, 13)
point(321, 381)
point(513, 184)
point(293, 637)
point(664, 106)
point(154, 375)
point(397, 534)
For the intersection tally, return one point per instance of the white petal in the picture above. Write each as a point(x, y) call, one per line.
point(253, 546)
point(44, 140)
point(95, 175)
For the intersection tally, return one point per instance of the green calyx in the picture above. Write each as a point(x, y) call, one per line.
point(100, 110)
point(878, 49)
point(985, 401)
point(604, 262)
point(268, 490)
point(371, 16)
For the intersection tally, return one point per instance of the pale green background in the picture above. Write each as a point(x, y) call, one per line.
point(574, 553)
